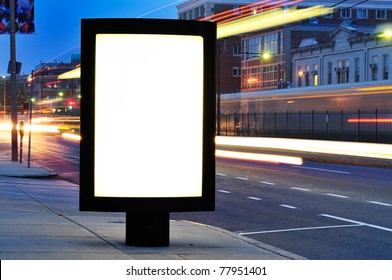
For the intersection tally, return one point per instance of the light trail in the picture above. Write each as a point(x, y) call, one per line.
point(247, 10)
point(272, 18)
point(382, 151)
point(259, 157)
point(370, 120)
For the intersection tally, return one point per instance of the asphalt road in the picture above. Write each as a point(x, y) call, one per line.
point(56, 153)
point(318, 210)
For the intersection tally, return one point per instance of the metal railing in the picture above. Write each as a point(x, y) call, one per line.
point(357, 126)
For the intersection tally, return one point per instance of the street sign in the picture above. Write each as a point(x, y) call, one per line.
point(156, 154)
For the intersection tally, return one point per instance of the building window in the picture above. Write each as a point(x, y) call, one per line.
point(385, 71)
point(356, 78)
point(315, 75)
point(270, 76)
point(374, 67)
point(362, 14)
point(342, 72)
point(271, 43)
point(307, 75)
point(381, 14)
point(300, 74)
point(345, 13)
point(329, 73)
point(236, 51)
point(251, 78)
point(252, 47)
point(198, 11)
point(236, 72)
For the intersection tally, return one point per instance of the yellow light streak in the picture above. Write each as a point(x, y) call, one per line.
point(71, 136)
point(259, 157)
point(382, 151)
point(264, 20)
point(268, 19)
point(34, 128)
point(73, 74)
point(388, 88)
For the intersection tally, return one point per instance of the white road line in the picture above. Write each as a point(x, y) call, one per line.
point(221, 174)
point(242, 178)
point(254, 198)
point(223, 191)
point(300, 189)
point(296, 229)
point(356, 222)
point(336, 195)
point(288, 206)
point(380, 203)
point(267, 183)
point(322, 169)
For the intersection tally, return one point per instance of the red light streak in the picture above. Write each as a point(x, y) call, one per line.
point(373, 120)
point(247, 10)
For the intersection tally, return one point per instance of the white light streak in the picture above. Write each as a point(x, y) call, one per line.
point(259, 157)
point(382, 151)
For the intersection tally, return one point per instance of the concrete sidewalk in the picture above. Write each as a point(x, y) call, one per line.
point(40, 219)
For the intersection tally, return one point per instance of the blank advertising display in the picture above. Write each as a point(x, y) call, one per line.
point(147, 115)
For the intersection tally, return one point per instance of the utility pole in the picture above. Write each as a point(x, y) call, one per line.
point(13, 85)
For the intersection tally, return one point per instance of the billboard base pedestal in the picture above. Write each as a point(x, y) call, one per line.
point(147, 229)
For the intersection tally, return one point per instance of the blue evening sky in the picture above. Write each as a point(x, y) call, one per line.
point(57, 25)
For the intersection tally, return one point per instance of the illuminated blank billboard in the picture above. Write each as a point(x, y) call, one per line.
point(147, 115)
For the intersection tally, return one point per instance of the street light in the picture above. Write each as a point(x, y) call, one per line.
point(268, 58)
point(266, 55)
point(388, 33)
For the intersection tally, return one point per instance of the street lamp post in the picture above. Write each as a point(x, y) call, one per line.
point(5, 94)
point(13, 84)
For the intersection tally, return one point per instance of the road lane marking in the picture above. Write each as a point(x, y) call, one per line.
point(223, 191)
point(254, 198)
point(221, 174)
point(380, 203)
point(297, 229)
point(322, 169)
point(300, 189)
point(336, 195)
point(242, 178)
point(356, 222)
point(288, 206)
point(267, 183)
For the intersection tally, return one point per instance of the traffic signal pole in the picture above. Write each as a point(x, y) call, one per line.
point(13, 85)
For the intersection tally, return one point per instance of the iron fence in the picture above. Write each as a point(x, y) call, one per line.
point(357, 126)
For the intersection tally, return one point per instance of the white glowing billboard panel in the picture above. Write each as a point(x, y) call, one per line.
point(148, 115)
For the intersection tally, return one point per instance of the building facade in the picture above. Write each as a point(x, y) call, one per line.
point(229, 49)
point(264, 59)
point(53, 94)
point(267, 62)
point(350, 56)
